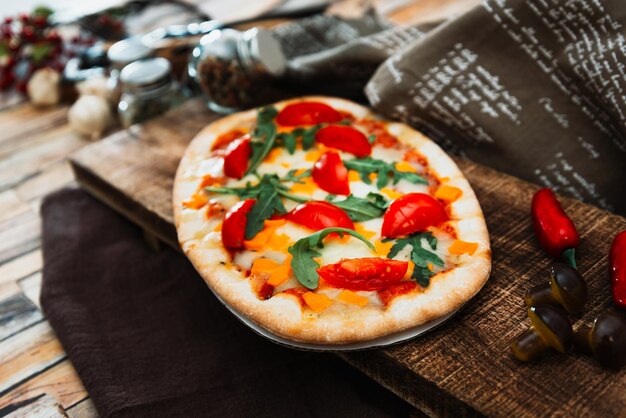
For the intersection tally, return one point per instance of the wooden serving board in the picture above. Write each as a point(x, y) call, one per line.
point(463, 368)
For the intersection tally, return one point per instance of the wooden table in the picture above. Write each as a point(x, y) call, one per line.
point(36, 377)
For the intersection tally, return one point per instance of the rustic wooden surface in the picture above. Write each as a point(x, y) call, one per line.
point(463, 367)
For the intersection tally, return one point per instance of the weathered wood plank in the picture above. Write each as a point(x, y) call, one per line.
point(17, 313)
point(83, 409)
point(60, 381)
point(43, 406)
point(19, 235)
point(53, 178)
point(11, 205)
point(53, 146)
point(26, 126)
point(28, 353)
point(21, 266)
point(31, 287)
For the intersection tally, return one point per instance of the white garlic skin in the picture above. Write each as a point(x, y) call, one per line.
point(43, 87)
point(89, 116)
point(96, 86)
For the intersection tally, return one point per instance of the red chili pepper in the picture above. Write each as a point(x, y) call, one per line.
point(617, 264)
point(554, 229)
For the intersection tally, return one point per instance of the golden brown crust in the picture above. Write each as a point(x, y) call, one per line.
point(282, 314)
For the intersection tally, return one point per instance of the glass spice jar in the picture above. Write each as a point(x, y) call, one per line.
point(120, 54)
point(147, 90)
point(235, 69)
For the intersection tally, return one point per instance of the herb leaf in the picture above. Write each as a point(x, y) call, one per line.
point(268, 201)
point(420, 256)
point(263, 137)
point(306, 249)
point(362, 209)
point(368, 165)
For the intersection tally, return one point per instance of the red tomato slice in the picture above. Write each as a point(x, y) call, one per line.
point(412, 212)
point(330, 174)
point(236, 158)
point(371, 273)
point(397, 289)
point(307, 113)
point(234, 225)
point(318, 215)
point(345, 138)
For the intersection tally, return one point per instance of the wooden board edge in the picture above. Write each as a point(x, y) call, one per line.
point(421, 393)
point(123, 204)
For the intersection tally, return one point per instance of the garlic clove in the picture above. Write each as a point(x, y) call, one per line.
point(43, 87)
point(89, 116)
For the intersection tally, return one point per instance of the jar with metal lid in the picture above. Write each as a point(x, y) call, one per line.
point(236, 70)
point(120, 54)
point(147, 90)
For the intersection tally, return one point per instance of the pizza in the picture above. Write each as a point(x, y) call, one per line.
point(323, 223)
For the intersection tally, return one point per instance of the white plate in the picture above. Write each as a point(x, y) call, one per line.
point(394, 338)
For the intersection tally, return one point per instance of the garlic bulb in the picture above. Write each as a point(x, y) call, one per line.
point(96, 86)
point(89, 116)
point(43, 87)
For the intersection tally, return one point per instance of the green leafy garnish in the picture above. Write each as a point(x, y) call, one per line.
point(263, 137)
point(268, 201)
point(306, 249)
point(294, 176)
point(268, 193)
point(362, 209)
point(290, 139)
point(371, 139)
point(420, 256)
point(368, 165)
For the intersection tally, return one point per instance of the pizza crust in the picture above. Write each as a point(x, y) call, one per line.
point(282, 314)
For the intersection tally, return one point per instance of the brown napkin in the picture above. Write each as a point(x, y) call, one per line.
point(148, 338)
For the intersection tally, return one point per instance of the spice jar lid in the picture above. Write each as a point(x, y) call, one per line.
point(126, 51)
point(261, 52)
point(146, 75)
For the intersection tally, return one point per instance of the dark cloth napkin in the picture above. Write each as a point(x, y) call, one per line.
point(148, 338)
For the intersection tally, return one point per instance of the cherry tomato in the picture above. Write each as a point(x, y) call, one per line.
point(234, 225)
point(318, 215)
point(412, 212)
point(345, 138)
point(330, 174)
point(371, 273)
point(236, 158)
point(397, 289)
point(307, 113)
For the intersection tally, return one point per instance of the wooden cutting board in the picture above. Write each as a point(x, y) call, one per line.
point(463, 368)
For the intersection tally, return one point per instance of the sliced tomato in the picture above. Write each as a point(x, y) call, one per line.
point(370, 273)
point(318, 215)
point(412, 212)
point(391, 292)
point(223, 140)
point(330, 174)
point(236, 158)
point(234, 225)
point(344, 138)
point(307, 113)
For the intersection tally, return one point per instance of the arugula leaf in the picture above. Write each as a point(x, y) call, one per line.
point(308, 136)
point(368, 165)
point(362, 209)
point(267, 202)
point(296, 178)
point(305, 250)
point(290, 139)
point(420, 256)
point(263, 137)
